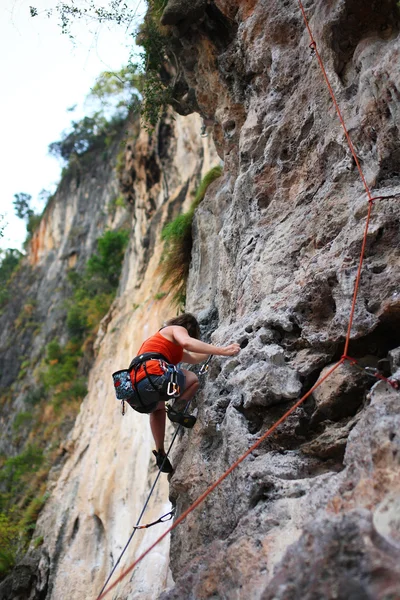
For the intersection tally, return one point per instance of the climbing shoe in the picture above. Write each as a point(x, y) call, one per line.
point(179, 417)
point(163, 462)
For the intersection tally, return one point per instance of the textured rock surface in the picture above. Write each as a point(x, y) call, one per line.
point(103, 486)
point(276, 253)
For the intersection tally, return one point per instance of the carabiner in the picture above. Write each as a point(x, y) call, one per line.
point(372, 371)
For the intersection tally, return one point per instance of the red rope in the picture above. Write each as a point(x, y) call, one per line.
point(371, 200)
point(313, 45)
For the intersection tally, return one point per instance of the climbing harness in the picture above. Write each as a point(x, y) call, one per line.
point(126, 389)
point(203, 369)
point(394, 384)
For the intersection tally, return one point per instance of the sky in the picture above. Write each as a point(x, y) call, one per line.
point(43, 74)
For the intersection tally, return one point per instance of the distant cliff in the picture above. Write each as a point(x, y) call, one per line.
point(313, 512)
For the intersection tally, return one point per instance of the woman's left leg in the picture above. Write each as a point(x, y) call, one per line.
point(157, 425)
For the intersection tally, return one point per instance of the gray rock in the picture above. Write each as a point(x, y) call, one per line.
point(336, 557)
point(341, 394)
point(179, 11)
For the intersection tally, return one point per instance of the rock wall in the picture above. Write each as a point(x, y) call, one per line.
point(277, 245)
point(74, 219)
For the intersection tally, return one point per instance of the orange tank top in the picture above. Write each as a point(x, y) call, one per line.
point(158, 343)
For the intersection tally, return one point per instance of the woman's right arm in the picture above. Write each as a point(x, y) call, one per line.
point(190, 344)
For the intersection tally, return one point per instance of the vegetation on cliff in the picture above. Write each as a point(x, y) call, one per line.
point(95, 289)
point(178, 241)
point(9, 260)
point(113, 96)
point(53, 394)
point(149, 68)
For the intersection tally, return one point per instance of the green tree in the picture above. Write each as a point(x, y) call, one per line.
point(117, 90)
point(23, 210)
point(9, 260)
point(95, 290)
point(87, 134)
point(22, 205)
point(106, 264)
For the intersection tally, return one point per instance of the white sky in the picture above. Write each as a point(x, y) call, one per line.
point(43, 74)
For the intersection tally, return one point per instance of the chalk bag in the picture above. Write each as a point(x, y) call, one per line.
point(123, 384)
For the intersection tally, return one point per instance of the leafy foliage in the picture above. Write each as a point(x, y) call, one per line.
point(117, 12)
point(178, 241)
point(22, 418)
point(62, 366)
point(150, 77)
point(9, 261)
point(105, 266)
point(154, 38)
point(114, 93)
point(23, 210)
point(16, 528)
point(10, 544)
point(22, 205)
point(90, 133)
point(16, 468)
point(117, 90)
point(95, 290)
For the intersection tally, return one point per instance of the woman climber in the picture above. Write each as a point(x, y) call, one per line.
point(156, 378)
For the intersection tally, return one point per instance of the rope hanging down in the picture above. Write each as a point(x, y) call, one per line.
point(344, 357)
point(203, 369)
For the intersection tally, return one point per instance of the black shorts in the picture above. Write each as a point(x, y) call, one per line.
point(150, 397)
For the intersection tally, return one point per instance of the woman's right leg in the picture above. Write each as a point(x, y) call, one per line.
point(191, 385)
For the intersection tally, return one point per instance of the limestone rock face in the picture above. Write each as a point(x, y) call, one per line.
point(67, 237)
point(106, 478)
point(105, 468)
point(276, 252)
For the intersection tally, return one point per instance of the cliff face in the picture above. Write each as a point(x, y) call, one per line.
point(106, 479)
point(313, 512)
point(36, 314)
point(105, 466)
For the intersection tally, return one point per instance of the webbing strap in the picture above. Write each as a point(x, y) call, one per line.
point(139, 361)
